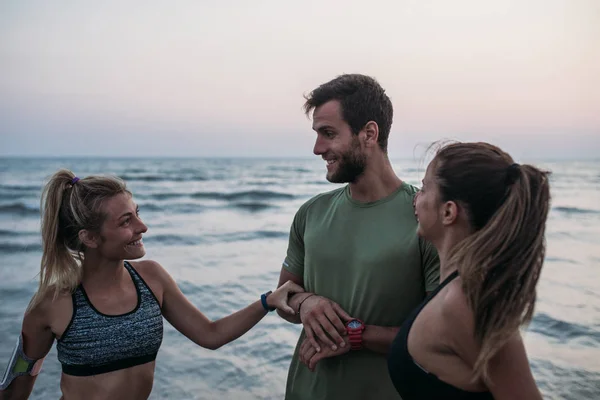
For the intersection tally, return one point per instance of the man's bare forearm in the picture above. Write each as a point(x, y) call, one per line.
point(379, 338)
point(294, 302)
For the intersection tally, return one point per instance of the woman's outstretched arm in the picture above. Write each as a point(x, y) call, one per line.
point(191, 322)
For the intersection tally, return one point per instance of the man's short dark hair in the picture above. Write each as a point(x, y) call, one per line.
point(361, 98)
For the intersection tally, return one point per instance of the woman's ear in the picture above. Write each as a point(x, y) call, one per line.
point(449, 213)
point(88, 238)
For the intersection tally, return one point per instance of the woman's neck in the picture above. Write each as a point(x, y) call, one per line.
point(444, 245)
point(101, 273)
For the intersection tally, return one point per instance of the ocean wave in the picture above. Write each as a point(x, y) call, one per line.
point(19, 209)
point(285, 168)
point(566, 383)
point(183, 171)
point(252, 195)
point(170, 240)
point(13, 233)
point(193, 208)
point(163, 178)
point(22, 188)
point(193, 240)
point(561, 330)
point(14, 292)
point(560, 260)
point(255, 235)
point(171, 208)
point(162, 196)
point(150, 207)
point(187, 208)
point(263, 182)
point(253, 206)
point(12, 248)
point(15, 195)
point(243, 195)
point(233, 201)
point(576, 210)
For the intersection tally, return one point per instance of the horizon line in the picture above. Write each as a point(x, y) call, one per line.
point(250, 157)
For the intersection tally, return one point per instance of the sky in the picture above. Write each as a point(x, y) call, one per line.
point(196, 78)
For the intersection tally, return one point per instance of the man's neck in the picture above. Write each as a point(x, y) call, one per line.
point(377, 182)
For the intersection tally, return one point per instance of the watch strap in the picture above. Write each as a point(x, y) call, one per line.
point(355, 339)
point(355, 336)
point(263, 301)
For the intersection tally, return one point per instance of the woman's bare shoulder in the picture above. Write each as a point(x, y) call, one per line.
point(47, 312)
point(46, 303)
point(155, 276)
point(148, 268)
point(457, 316)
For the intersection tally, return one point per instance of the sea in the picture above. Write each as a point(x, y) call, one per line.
point(220, 227)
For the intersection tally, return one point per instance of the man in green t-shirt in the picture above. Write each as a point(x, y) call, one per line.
point(354, 250)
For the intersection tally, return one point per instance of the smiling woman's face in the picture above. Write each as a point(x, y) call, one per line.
point(121, 233)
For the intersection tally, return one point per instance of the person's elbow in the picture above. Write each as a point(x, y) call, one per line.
point(213, 342)
point(213, 345)
point(212, 338)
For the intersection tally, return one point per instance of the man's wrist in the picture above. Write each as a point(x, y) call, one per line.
point(297, 300)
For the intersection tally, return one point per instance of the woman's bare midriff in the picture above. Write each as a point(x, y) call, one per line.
point(134, 383)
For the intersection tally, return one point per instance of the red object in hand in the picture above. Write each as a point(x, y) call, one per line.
point(355, 328)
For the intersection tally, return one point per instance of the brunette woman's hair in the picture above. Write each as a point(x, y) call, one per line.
point(507, 206)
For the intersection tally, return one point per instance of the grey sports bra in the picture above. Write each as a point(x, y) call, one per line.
point(95, 343)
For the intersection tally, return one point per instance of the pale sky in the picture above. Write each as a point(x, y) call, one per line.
point(197, 78)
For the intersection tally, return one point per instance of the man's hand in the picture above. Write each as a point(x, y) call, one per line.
point(310, 357)
point(322, 317)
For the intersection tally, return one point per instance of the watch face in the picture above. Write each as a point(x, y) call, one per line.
point(354, 324)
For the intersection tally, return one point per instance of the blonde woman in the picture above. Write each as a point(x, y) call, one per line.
point(105, 313)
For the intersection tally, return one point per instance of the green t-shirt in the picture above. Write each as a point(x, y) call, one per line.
point(367, 258)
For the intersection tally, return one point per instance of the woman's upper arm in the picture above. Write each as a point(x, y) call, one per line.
point(37, 333)
point(37, 342)
point(510, 373)
point(509, 370)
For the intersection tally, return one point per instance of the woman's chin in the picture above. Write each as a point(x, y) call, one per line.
point(135, 253)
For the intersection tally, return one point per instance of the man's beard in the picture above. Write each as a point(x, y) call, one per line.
point(350, 166)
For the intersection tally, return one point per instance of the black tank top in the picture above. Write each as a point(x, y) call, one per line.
point(410, 379)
